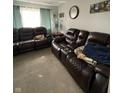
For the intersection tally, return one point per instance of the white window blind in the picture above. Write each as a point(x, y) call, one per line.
point(30, 17)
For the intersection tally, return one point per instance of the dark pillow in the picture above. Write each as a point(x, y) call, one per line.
point(98, 52)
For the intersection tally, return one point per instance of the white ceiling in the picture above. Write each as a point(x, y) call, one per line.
point(44, 2)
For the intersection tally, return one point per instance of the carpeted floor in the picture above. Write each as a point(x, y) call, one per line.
point(41, 72)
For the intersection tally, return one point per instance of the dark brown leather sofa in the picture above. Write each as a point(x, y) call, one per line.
point(92, 79)
point(23, 39)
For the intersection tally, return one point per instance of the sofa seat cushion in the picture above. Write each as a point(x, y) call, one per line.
point(39, 37)
point(40, 40)
point(59, 45)
point(80, 55)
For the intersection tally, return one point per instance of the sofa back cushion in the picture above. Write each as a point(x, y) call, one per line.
point(15, 35)
point(39, 37)
point(98, 37)
point(71, 35)
point(26, 34)
point(40, 31)
point(82, 37)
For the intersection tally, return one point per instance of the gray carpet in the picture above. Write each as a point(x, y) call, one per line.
point(41, 72)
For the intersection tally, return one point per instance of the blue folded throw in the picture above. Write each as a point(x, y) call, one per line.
point(97, 52)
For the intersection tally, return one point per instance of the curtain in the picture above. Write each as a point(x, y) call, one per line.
point(45, 19)
point(17, 22)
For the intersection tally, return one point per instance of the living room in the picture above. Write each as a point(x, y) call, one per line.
point(61, 46)
point(48, 34)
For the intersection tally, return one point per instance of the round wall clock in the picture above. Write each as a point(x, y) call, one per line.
point(74, 12)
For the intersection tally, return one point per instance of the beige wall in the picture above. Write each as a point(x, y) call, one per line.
point(85, 20)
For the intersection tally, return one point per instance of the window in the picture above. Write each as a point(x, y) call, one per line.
point(30, 17)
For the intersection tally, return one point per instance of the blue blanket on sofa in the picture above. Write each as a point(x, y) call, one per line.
point(97, 52)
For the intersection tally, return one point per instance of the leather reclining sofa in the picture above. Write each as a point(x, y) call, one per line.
point(24, 39)
point(73, 38)
point(92, 79)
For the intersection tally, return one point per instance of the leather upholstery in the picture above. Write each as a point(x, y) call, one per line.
point(82, 38)
point(84, 73)
point(87, 76)
point(103, 69)
point(42, 43)
point(23, 39)
point(15, 41)
point(40, 30)
point(71, 37)
point(15, 35)
point(101, 38)
point(68, 39)
point(100, 84)
point(24, 47)
point(56, 50)
point(101, 79)
point(26, 34)
point(26, 39)
point(91, 79)
point(24, 42)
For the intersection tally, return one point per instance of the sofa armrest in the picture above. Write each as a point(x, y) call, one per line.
point(103, 69)
point(60, 39)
